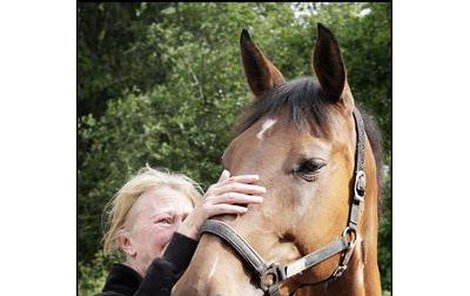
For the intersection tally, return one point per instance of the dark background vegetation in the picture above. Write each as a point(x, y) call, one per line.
point(161, 83)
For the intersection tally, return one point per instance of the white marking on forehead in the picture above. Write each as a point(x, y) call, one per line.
point(266, 125)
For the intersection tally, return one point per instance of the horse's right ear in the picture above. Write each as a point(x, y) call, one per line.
point(260, 73)
point(328, 64)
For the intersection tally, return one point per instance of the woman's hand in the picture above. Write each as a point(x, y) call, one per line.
point(227, 196)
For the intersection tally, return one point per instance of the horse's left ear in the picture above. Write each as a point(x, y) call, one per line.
point(260, 73)
point(328, 65)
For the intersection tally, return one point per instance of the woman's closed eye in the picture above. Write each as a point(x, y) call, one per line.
point(167, 220)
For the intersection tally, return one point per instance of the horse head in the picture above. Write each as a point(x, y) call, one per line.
point(301, 138)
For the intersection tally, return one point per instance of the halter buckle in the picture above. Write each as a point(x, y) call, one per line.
point(272, 275)
point(339, 270)
point(360, 186)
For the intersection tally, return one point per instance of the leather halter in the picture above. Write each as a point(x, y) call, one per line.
point(271, 276)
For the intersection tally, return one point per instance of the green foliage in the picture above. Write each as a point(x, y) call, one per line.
point(111, 38)
point(93, 274)
point(161, 83)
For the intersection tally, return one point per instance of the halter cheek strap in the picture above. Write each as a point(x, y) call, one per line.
point(271, 276)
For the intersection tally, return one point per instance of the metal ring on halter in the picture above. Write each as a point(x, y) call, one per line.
point(339, 271)
point(271, 276)
point(347, 232)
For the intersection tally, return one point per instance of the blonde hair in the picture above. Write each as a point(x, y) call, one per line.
point(116, 211)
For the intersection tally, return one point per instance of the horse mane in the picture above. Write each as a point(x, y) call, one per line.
point(308, 106)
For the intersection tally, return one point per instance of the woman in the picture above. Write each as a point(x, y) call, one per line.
point(154, 223)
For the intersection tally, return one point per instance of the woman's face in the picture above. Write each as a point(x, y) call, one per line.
point(155, 217)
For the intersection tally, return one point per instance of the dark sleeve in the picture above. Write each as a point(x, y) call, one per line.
point(180, 251)
point(164, 272)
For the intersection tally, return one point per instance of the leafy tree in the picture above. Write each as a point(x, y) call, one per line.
point(113, 55)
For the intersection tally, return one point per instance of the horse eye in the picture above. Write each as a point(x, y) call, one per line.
point(309, 169)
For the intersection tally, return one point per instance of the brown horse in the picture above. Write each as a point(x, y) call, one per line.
point(301, 138)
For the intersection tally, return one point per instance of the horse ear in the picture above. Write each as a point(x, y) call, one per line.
point(328, 64)
point(260, 73)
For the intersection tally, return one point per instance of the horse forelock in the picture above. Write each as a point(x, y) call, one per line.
point(306, 106)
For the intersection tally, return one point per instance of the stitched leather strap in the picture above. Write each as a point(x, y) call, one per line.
point(230, 236)
point(359, 174)
point(320, 255)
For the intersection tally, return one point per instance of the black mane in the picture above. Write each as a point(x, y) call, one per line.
point(307, 105)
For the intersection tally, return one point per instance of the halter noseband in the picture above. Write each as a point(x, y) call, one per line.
point(271, 276)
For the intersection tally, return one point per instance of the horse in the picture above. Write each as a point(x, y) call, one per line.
point(316, 231)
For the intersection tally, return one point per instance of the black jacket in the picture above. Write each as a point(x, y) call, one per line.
point(161, 275)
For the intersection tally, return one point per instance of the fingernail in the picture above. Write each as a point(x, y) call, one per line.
point(259, 198)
